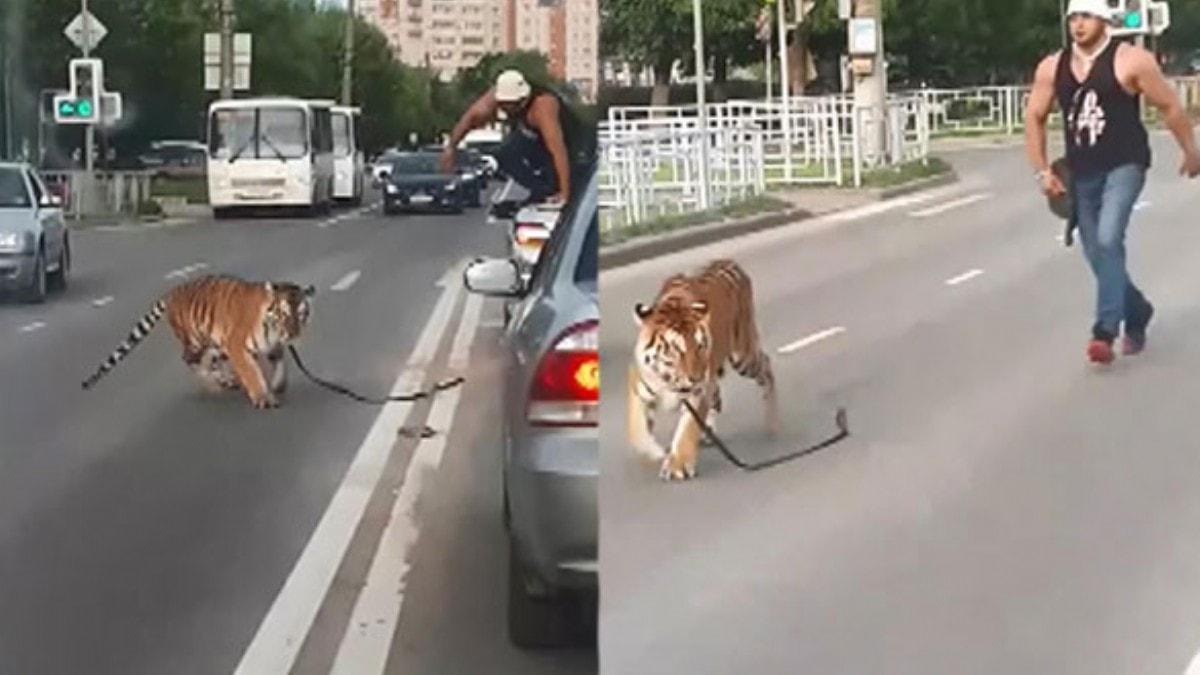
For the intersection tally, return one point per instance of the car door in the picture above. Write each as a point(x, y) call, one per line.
point(49, 217)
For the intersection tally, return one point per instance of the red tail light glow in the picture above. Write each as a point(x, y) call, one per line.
point(566, 387)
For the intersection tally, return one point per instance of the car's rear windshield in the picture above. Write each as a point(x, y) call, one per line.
point(422, 164)
point(13, 193)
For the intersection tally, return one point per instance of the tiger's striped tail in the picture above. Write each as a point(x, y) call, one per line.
point(139, 332)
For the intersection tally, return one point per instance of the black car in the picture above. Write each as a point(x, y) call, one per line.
point(470, 170)
point(414, 181)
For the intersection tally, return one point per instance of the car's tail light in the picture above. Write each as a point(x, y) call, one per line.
point(566, 387)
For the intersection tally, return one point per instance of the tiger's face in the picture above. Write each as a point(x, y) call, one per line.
point(290, 308)
point(673, 344)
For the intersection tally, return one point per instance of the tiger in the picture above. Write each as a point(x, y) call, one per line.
point(233, 333)
point(696, 326)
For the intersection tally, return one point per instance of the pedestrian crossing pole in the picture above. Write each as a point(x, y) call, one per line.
point(701, 105)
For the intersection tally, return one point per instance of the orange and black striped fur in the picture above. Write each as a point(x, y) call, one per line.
point(696, 326)
point(233, 333)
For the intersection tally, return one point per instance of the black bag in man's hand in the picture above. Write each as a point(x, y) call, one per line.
point(1064, 206)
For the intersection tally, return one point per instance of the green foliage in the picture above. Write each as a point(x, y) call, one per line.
point(153, 56)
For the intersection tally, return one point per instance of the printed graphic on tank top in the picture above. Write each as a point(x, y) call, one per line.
point(1102, 122)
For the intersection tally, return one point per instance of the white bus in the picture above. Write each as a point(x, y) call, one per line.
point(270, 152)
point(348, 161)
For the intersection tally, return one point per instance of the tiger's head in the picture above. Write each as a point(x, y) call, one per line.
point(290, 308)
point(673, 343)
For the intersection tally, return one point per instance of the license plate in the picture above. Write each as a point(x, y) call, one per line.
point(421, 199)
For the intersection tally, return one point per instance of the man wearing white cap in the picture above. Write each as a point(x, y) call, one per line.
point(1097, 84)
point(546, 144)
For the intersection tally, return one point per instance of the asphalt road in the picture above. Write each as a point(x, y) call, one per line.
point(146, 527)
point(1001, 507)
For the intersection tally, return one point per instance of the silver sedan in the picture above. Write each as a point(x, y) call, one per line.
point(35, 248)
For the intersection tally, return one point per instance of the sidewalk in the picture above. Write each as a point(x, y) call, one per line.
point(805, 204)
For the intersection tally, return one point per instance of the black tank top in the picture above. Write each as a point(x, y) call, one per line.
point(1101, 121)
point(579, 133)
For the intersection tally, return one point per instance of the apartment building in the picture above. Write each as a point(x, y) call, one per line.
point(450, 35)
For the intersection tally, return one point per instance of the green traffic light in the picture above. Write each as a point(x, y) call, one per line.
point(84, 108)
point(66, 109)
point(1133, 20)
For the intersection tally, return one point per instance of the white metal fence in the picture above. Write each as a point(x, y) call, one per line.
point(650, 163)
point(111, 193)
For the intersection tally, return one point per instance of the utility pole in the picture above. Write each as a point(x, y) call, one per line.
point(701, 103)
point(870, 90)
point(785, 88)
point(89, 131)
point(348, 67)
point(6, 80)
point(226, 49)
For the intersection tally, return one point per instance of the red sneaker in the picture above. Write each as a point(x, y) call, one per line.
point(1100, 352)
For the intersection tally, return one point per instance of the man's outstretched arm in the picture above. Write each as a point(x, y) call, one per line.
point(481, 112)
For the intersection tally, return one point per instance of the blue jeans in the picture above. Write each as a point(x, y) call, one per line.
point(1103, 204)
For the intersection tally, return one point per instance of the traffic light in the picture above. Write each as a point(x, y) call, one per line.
point(81, 105)
point(1131, 17)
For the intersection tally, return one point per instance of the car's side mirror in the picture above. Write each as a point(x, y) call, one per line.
point(494, 277)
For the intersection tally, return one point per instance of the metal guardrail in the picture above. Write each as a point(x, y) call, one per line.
point(108, 193)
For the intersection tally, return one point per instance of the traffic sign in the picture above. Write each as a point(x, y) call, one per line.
point(75, 31)
point(242, 52)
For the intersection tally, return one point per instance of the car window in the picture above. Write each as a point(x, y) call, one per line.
point(39, 195)
point(588, 268)
point(13, 193)
point(552, 252)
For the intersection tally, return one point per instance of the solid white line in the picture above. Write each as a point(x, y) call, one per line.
point(29, 328)
point(368, 639)
point(346, 282)
point(460, 349)
point(100, 302)
point(964, 277)
point(953, 204)
point(283, 629)
point(811, 340)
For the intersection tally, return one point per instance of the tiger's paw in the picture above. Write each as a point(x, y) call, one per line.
point(674, 468)
point(266, 402)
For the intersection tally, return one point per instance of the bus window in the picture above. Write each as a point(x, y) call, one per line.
point(342, 143)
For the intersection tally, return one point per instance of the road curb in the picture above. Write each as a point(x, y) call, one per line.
point(643, 248)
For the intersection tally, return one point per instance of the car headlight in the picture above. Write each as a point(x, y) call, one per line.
point(391, 189)
point(451, 187)
point(14, 242)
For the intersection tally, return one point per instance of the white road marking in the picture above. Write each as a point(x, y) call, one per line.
point(1141, 205)
point(100, 302)
point(346, 282)
point(368, 639)
point(492, 325)
point(29, 328)
point(184, 271)
point(811, 340)
point(953, 204)
point(283, 629)
point(964, 277)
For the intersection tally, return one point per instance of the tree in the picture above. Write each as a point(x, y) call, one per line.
point(650, 33)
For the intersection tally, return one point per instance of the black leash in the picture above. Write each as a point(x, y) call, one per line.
point(415, 396)
point(843, 432)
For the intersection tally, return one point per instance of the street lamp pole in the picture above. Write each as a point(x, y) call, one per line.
point(701, 104)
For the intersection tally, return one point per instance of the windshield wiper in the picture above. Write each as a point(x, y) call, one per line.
point(266, 139)
point(245, 146)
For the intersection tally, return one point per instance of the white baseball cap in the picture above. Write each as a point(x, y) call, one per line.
point(511, 86)
point(1097, 8)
